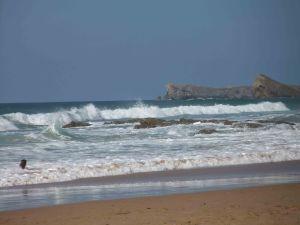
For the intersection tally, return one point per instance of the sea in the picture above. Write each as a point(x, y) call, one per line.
point(34, 131)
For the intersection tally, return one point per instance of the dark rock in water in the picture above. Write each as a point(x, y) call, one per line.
point(76, 124)
point(253, 125)
point(23, 163)
point(228, 122)
point(276, 122)
point(116, 122)
point(263, 87)
point(152, 122)
point(186, 121)
point(225, 122)
point(248, 125)
point(207, 131)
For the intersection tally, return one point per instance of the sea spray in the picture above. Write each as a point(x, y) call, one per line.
point(90, 112)
point(6, 125)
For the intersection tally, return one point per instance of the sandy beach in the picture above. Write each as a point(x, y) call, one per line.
point(277, 204)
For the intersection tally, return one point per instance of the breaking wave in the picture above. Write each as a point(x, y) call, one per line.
point(144, 111)
point(58, 172)
point(91, 113)
point(6, 125)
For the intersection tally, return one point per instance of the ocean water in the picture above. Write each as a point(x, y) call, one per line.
point(33, 131)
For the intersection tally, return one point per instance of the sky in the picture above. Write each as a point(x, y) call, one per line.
point(71, 50)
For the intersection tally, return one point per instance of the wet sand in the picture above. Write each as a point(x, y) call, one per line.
point(277, 204)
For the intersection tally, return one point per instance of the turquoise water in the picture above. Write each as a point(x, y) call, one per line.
point(34, 131)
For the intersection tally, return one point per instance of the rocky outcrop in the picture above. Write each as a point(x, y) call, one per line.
point(207, 131)
point(187, 91)
point(76, 124)
point(154, 122)
point(248, 125)
point(118, 122)
point(263, 87)
point(276, 122)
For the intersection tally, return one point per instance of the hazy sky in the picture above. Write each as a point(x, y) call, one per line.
point(60, 50)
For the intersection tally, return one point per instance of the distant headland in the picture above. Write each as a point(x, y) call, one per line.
point(263, 87)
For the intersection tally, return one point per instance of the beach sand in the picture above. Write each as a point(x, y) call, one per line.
point(277, 204)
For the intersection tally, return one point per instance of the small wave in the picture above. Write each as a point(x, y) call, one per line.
point(6, 125)
point(90, 112)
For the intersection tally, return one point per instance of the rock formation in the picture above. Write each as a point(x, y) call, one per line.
point(263, 87)
point(154, 122)
point(76, 124)
point(187, 91)
point(207, 131)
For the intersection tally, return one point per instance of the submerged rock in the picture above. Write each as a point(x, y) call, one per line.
point(207, 131)
point(228, 122)
point(76, 124)
point(116, 122)
point(248, 125)
point(276, 122)
point(186, 121)
point(225, 122)
point(253, 125)
point(152, 122)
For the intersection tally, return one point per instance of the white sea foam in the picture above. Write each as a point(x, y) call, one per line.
point(144, 111)
point(91, 112)
point(88, 112)
point(56, 172)
point(6, 125)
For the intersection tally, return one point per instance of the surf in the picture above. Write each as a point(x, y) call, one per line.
point(90, 112)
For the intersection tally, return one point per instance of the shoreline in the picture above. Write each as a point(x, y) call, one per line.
point(150, 184)
point(239, 170)
point(273, 204)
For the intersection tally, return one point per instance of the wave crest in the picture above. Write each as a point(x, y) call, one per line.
point(6, 125)
point(90, 112)
point(144, 111)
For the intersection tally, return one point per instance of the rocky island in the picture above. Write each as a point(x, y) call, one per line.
point(263, 87)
